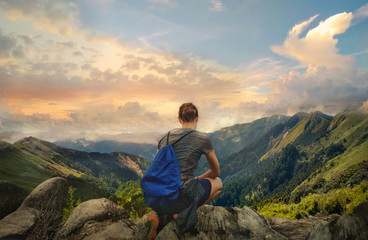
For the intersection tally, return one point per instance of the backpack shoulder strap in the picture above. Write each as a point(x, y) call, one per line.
point(179, 138)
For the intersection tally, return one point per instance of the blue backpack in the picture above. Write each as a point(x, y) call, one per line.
point(162, 179)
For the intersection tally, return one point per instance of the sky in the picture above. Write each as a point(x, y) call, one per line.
point(120, 70)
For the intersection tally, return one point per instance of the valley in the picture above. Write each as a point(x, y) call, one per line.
point(282, 166)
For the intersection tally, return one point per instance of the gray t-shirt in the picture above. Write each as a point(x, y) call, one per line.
point(188, 150)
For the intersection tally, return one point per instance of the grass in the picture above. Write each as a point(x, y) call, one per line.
point(28, 169)
point(352, 128)
point(349, 158)
point(340, 163)
point(336, 201)
point(22, 168)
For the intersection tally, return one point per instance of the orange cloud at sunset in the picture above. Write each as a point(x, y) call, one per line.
point(66, 73)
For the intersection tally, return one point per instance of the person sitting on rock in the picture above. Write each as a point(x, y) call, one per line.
point(197, 190)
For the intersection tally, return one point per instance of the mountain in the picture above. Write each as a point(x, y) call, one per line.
point(309, 154)
point(107, 146)
point(291, 166)
point(226, 141)
point(232, 139)
point(231, 166)
point(30, 161)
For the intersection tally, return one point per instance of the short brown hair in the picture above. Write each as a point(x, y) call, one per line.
point(188, 112)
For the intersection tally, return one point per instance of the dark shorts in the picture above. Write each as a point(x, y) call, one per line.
point(206, 184)
point(180, 204)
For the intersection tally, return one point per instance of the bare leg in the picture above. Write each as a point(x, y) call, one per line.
point(215, 189)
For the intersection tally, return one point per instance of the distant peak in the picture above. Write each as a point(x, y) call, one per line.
point(32, 141)
point(300, 114)
point(318, 114)
point(27, 139)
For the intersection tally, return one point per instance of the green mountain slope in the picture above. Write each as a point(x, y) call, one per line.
point(232, 139)
point(245, 162)
point(350, 131)
point(310, 129)
point(310, 154)
point(22, 168)
point(30, 161)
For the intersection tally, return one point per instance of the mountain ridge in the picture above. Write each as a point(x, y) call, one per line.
point(240, 135)
point(45, 159)
point(107, 146)
point(312, 147)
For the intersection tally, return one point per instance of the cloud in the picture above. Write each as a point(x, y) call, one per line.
point(91, 85)
point(318, 47)
point(76, 86)
point(90, 121)
point(51, 16)
point(131, 116)
point(7, 44)
point(330, 82)
point(216, 5)
point(161, 4)
point(361, 12)
point(364, 107)
point(317, 89)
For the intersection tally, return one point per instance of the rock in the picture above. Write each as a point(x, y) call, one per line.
point(348, 226)
point(92, 220)
point(18, 224)
point(298, 229)
point(321, 231)
point(39, 214)
point(51, 194)
point(224, 223)
point(94, 212)
point(362, 211)
point(11, 197)
point(120, 230)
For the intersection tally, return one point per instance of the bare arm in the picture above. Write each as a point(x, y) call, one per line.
point(213, 163)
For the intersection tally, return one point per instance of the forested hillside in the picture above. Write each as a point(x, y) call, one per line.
point(309, 154)
point(232, 139)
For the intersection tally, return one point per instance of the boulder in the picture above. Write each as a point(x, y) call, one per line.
point(224, 223)
point(107, 230)
point(348, 226)
point(40, 213)
point(49, 194)
point(300, 228)
point(362, 211)
point(11, 197)
point(92, 219)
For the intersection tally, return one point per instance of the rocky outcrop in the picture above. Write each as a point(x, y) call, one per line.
point(95, 219)
point(102, 219)
point(11, 197)
point(298, 229)
point(224, 223)
point(348, 226)
point(40, 216)
point(40, 213)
